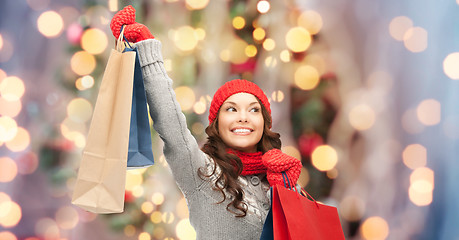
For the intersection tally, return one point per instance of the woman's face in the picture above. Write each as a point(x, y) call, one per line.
point(240, 122)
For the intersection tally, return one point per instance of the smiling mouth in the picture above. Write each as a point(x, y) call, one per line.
point(242, 131)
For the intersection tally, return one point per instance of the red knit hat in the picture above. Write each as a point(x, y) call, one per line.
point(233, 87)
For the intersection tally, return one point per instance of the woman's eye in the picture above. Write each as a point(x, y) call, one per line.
point(255, 109)
point(230, 109)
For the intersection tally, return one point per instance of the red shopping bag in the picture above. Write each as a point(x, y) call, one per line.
point(297, 217)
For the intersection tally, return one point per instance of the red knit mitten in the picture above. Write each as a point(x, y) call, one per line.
point(277, 162)
point(134, 32)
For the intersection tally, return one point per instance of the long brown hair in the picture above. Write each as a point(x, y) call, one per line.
point(231, 165)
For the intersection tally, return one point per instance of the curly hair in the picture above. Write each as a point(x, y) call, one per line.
point(231, 165)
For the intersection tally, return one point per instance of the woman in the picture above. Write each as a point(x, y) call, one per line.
point(226, 183)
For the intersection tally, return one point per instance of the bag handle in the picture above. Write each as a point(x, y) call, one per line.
point(284, 176)
point(120, 40)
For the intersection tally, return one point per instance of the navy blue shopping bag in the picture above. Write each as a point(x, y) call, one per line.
point(267, 232)
point(140, 149)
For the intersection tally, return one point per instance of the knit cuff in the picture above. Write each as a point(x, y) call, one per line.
point(152, 50)
point(277, 161)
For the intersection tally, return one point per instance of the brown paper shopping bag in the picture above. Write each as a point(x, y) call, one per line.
point(100, 184)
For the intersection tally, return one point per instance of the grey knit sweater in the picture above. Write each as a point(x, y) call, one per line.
point(209, 219)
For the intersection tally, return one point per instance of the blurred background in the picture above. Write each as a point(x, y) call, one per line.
point(363, 92)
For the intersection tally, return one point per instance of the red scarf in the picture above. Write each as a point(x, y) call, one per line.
point(251, 162)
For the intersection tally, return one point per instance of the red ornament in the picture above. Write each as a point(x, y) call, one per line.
point(128, 197)
point(248, 66)
point(308, 142)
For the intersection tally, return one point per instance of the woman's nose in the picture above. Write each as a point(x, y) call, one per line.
point(242, 116)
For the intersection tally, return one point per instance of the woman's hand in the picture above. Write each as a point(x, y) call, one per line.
point(134, 32)
point(277, 162)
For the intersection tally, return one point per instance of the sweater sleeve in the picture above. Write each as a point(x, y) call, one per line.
point(181, 150)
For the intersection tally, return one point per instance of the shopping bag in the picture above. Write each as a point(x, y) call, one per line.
point(297, 217)
point(100, 184)
point(267, 232)
point(140, 153)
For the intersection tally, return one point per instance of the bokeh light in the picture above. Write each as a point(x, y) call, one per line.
point(168, 217)
point(20, 142)
point(184, 230)
point(10, 108)
point(200, 33)
point(352, 208)
point(200, 106)
point(156, 217)
point(259, 34)
point(421, 187)
point(11, 214)
point(67, 217)
point(129, 230)
point(362, 117)
point(185, 38)
point(414, 156)
point(269, 44)
point(94, 41)
point(8, 129)
point(113, 5)
point(451, 65)
point(8, 169)
point(398, 27)
point(285, 56)
point(324, 157)
point(147, 207)
point(84, 82)
point(298, 39)
point(375, 228)
point(263, 6)
point(278, 96)
point(196, 4)
point(74, 32)
point(157, 198)
point(79, 110)
point(251, 51)
point(415, 39)
point(82, 63)
point(133, 179)
point(5, 235)
point(237, 51)
point(270, 62)
point(185, 97)
point(429, 112)
point(50, 24)
point(422, 173)
point(12, 88)
point(144, 236)
point(238, 22)
point(311, 21)
point(72, 130)
point(306, 77)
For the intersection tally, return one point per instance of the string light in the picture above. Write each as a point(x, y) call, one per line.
point(263, 6)
point(50, 24)
point(415, 39)
point(451, 65)
point(375, 228)
point(429, 112)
